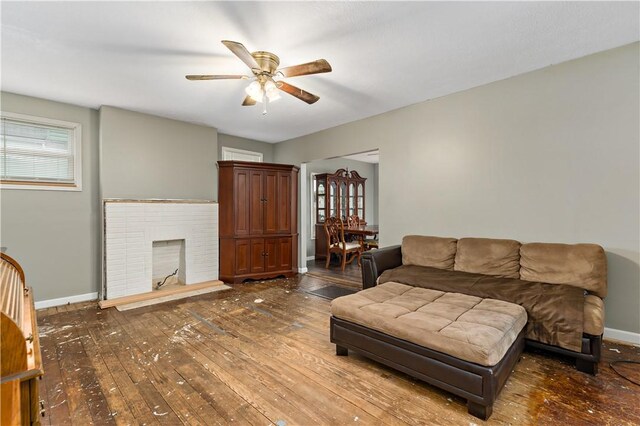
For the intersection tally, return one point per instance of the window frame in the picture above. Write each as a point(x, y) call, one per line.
point(228, 150)
point(76, 129)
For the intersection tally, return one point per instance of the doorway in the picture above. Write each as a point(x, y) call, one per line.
point(315, 208)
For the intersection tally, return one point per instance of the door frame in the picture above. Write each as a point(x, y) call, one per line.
point(303, 218)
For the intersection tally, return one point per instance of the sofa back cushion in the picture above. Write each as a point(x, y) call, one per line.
point(579, 265)
point(488, 256)
point(435, 252)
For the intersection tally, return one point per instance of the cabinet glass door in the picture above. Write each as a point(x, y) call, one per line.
point(321, 202)
point(333, 199)
point(360, 201)
point(343, 201)
point(352, 200)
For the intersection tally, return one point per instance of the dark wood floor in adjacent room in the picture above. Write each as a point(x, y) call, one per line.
point(260, 354)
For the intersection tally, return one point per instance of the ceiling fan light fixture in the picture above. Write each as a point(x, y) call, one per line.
point(255, 91)
point(273, 96)
point(272, 91)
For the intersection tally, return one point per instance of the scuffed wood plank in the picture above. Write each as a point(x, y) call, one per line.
point(156, 363)
point(55, 398)
point(71, 357)
point(232, 370)
point(222, 398)
point(118, 407)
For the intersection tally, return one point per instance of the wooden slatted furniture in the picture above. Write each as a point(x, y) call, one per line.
point(21, 359)
point(336, 243)
point(354, 221)
point(258, 220)
point(357, 228)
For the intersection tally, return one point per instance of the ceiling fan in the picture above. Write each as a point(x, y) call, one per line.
point(264, 66)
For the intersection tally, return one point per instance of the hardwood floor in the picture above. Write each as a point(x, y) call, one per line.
point(260, 354)
point(350, 277)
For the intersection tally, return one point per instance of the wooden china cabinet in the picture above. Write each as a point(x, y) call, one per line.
point(258, 220)
point(340, 194)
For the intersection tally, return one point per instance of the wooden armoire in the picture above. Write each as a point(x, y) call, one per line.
point(258, 220)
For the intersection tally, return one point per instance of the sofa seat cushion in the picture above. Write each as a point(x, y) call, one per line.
point(467, 327)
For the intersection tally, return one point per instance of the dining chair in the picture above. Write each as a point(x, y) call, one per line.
point(336, 243)
point(367, 243)
point(353, 221)
point(370, 243)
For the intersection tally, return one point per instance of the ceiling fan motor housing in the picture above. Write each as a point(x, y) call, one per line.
point(268, 61)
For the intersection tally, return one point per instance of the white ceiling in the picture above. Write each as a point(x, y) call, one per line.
point(385, 55)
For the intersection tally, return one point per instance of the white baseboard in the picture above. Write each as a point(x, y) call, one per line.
point(311, 258)
point(302, 270)
point(624, 336)
point(64, 300)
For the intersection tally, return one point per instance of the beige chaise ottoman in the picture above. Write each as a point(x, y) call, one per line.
point(463, 344)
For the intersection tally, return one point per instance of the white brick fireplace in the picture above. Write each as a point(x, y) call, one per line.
point(132, 226)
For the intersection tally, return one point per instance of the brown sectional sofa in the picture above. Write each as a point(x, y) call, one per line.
point(457, 313)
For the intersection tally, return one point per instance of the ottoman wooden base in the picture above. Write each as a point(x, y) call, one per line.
point(478, 384)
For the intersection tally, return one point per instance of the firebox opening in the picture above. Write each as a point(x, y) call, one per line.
point(168, 264)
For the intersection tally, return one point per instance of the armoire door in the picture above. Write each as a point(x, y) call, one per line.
point(284, 253)
point(243, 257)
point(241, 183)
point(271, 202)
point(284, 203)
point(256, 211)
point(272, 258)
point(257, 255)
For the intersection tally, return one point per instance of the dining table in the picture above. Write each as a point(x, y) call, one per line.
point(362, 230)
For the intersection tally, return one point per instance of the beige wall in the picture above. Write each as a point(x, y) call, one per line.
point(144, 156)
point(552, 155)
point(55, 235)
point(247, 144)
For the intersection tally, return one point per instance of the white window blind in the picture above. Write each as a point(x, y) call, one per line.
point(38, 151)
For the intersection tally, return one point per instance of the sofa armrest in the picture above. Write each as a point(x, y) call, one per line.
point(375, 262)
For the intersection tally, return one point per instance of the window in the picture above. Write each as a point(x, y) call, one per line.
point(39, 153)
point(240, 155)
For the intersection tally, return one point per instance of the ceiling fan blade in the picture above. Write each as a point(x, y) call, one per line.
point(315, 67)
point(248, 101)
point(216, 77)
point(241, 52)
point(297, 92)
